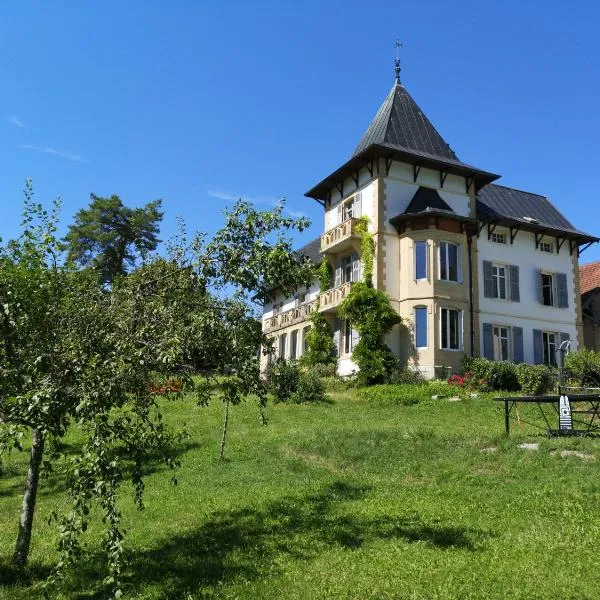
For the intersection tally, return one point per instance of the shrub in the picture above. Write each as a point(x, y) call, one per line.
point(311, 389)
point(283, 379)
point(534, 379)
point(320, 346)
point(372, 315)
point(584, 367)
point(497, 375)
point(324, 370)
point(402, 374)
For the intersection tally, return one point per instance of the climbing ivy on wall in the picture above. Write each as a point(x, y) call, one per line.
point(371, 314)
point(367, 249)
point(320, 346)
point(324, 274)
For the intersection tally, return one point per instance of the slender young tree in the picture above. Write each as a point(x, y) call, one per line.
point(75, 354)
point(111, 237)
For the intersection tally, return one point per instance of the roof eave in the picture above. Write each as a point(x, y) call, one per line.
point(322, 189)
point(580, 236)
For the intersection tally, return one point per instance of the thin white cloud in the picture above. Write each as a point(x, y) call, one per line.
point(271, 201)
point(62, 153)
point(15, 121)
point(224, 195)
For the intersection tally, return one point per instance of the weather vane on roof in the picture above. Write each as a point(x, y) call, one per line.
point(398, 44)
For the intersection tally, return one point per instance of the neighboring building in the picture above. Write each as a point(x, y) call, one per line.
point(471, 267)
point(589, 276)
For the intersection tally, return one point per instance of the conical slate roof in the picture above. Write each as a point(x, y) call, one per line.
point(400, 124)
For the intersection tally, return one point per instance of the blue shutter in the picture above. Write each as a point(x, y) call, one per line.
point(538, 347)
point(518, 356)
point(562, 294)
point(488, 280)
point(515, 295)
point(488, 341)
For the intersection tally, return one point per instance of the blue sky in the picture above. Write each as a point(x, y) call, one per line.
point(200, 102)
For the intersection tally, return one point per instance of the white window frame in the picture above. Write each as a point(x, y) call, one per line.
point(547, 344)
point(552, 287)
point(546, 246)
point(426, 246)
point(496, 281)
point(459, 328)
point(445, 245)
point(426, 327)
point(347, 344)
point(498, 238)
point(497, 340)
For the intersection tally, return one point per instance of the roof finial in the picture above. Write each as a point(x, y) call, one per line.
point(398, 45)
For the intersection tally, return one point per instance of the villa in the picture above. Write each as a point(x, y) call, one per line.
point(472, 267)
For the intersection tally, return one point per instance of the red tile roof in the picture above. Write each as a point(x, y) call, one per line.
point(589, 276)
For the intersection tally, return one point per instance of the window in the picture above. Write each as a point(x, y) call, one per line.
point(501, 343)
point(549, 348)
point(421, 327)
point(449, 261)
point(350, 209)
point(498, 238)
point(546, 247)
point(294, 344)
point(305, 339)
point(451, 329)
point(547, 289)
point(348, 341)
point(282, 343)
point(420, 260)
point(499, 281)
point(346, 269)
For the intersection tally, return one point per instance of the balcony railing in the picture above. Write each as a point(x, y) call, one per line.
point(293, 316)
point(336, 238)
point(331, 298)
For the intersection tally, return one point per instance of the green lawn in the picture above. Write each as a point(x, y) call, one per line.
point(355, 498)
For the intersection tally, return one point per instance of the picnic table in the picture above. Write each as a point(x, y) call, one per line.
point(572, 420)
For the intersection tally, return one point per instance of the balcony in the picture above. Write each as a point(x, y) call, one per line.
point(290, 317)
point(331, 298)
point(340, 237)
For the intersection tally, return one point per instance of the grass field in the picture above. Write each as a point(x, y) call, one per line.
point(356, 498)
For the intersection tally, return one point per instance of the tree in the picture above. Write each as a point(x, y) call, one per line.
point(371, 314)
point(77, 355)
point(109, 236)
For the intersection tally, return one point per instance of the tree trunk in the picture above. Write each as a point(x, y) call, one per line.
point(27, 511)
point(224, 436)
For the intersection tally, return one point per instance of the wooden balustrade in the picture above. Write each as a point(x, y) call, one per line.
point(334, 238)
point(293, 316)
point(331, 298)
